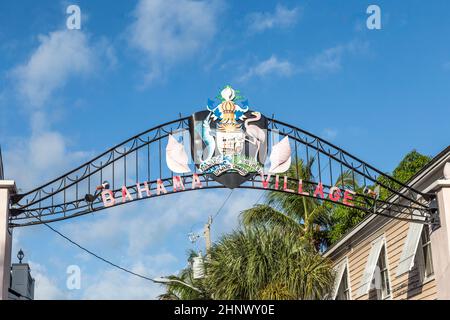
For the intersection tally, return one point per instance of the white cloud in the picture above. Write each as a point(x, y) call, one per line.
point(46, 287)
point(116, 285)
point(281, 18)
point(139, 230)
point(268, 68)
point(42, 156)
point(330, 60)
point(240, 200)
point(139, 225)
point(60, 55)
point(170, 31)
point(327, 61)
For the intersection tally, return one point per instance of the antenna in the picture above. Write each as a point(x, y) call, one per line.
point(193, 237)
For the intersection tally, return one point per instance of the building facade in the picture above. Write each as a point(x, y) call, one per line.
point(385, 258)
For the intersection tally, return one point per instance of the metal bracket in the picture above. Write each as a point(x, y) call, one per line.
point(435, 219)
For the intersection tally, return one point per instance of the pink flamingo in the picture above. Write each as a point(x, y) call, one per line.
point(255, 132)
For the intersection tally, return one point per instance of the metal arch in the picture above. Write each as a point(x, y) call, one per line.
point(63, 197)
point(158, 132)
point(349, 161)
point(81, 207)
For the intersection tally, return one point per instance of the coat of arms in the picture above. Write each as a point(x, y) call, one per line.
point(228, 140)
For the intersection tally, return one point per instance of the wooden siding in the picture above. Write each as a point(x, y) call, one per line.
point(406, 286)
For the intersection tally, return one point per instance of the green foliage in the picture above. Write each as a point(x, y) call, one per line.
point(264, 263)
point(257, 263)
point(275, 255)
point(178, 290)
point(410, 165)
point(407, 168)
point(345, 219)
point(309, 218)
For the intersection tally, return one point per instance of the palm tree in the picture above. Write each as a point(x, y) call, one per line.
point(263, 263)
point(309, 218)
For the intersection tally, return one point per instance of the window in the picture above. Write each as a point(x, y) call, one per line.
point(426, 260)
point(371, 266)
point(343, 292)
point(383, 289)
point(413, 249)
point(426, 250)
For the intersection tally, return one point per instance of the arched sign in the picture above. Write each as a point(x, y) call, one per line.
point(228, 144)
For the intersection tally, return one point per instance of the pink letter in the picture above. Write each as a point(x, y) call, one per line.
point(300, 188)
point(277, 181)
point(335, 194)
point(145, 188)
point(265, 182)
point(285, 188)
point(177, 183)
point(196, 181)
point(319, 190)
point(126, 194)
point(108, 198)
point(348, 196)
point(160, 187)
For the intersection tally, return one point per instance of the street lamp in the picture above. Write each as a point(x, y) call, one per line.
point(20, 255)
point(164, 280)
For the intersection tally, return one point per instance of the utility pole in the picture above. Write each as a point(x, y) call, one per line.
point(207, 234)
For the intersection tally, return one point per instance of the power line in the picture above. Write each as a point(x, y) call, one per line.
point(92, 253)
point(260, 197)
point(218, 211)
point(223, 204)
point(106, 260)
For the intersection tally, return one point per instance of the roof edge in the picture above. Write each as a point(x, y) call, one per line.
point(413, 180)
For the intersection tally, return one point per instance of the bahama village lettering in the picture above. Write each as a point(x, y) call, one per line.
point(143, 190)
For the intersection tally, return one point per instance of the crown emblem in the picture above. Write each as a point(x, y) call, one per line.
point(228, 107)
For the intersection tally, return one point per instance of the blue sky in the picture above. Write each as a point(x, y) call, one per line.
point(66, 96)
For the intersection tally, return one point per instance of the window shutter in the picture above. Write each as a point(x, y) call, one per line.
point(370, 266)
point(339, 271)
point(410, 248)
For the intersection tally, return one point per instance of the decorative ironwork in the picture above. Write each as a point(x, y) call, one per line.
point(141, 159)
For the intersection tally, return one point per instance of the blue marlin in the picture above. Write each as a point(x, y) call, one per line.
point(204, 130)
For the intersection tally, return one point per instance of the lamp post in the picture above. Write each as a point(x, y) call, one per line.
point(164, 280)
point(20, 255)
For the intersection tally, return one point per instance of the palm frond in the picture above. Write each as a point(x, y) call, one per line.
point(264, 215)
point(262, 263)
point(347, 180)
